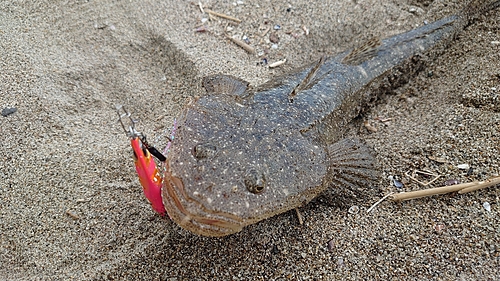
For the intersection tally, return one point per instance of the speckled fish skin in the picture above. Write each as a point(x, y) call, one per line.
point(242, 155)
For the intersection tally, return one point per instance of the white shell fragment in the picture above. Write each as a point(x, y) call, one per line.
point(487, 206)
point(354, 210)
point(463, 166)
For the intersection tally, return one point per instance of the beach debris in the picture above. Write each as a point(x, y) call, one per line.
point(277, 27)
point(353, 210)
point(299, 216)
point(340, 262)
point(273, 37)
point(369, 127)
point(276, 64)
point(306, 30)
point(470, 171)
point(201, 7)
point(8, 111)
point(201, 29)
point(242, 44)
point(437, 159)
point(451, 182)
point(72, 215)
point(395, 182)
point(460, 188)
point(246, 39)
point(265, 31)
point(383, 119)
point(221, 15)
point(487, 206)
point(331, 245)
point(439, 227)
point(378, 202)
point(463, 166)
point(425, 173)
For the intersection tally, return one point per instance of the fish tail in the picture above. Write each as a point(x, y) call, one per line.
point(476, 8)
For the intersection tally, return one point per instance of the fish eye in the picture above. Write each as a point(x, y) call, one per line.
point(204, 150)
point(254, 181)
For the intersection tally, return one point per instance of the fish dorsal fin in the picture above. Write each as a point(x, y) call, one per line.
point(306, 81)
point(225, 84)
point(365, 52)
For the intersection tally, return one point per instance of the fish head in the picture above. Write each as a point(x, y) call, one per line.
point(230, 166)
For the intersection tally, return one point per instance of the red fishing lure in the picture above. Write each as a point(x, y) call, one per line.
point(146, 168)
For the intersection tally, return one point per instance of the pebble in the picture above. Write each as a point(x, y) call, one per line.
point(439, 227)
point(331, 245)
point(273, 37)
point(8, 111)
point(451, 182)
point(416, 10)
point(396, 183)
point(463, 166)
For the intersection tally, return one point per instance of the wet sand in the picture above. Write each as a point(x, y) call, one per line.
point(72, 207)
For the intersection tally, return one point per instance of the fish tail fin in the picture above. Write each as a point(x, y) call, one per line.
point(352, 174)
point(476, 8)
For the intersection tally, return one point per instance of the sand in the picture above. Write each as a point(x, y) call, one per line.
point(72, 207)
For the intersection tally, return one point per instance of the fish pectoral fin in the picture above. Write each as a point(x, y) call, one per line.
point(364, 52)
point(225, 84)
point(351, 170)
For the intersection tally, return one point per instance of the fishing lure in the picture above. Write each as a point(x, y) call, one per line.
point(149, 175)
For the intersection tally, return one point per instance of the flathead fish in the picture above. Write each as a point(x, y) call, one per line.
point(241, 155)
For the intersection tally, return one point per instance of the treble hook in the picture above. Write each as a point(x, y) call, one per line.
point(133, 133)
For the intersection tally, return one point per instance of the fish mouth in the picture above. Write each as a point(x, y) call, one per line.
point(193, 215)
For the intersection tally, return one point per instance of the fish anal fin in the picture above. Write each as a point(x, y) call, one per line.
point(364, 52)
point(225, 84)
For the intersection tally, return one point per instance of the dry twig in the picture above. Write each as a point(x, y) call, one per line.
point(72, 215)
point(461, 188)
point(242, 44)
point(224, 16)
point(299, 216)
point(378, 202)
point(424, 173)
